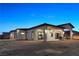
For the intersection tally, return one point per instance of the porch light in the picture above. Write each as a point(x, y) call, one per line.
point(22, 33)
point(63, 32)
point(17, 31)
point(46, 31)
point(11, 34)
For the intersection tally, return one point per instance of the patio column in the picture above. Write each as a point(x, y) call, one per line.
point(63, 35)
point(71, 34)
point(45, 36)
point(45, 33)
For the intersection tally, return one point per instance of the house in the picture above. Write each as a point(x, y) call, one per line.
point(76, 35)
point(46, 32)
point(5, 35)
point(1, 36)
point(18, 34)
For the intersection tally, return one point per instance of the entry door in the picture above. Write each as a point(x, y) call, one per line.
point(58, 36)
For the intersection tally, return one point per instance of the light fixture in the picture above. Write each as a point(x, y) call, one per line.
point(46, 31)
point(63, 32)
point(11, 34)
point(17, 31)
point(22, 33)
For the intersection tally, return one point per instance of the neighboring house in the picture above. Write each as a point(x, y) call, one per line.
point(1, 36)
point(75, 35)
point(46, 32)
point(5, 35)
point(18, 34)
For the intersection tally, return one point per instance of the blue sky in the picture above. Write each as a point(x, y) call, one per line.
point(14, 16)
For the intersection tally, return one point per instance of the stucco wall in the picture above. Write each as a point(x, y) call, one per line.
point(49, 38)
point(12, 35)
point(54, 31)
point(76, 37)
point(32, 34)
point(21, 34)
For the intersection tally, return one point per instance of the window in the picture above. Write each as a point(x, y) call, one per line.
point(40, 35)
point(51, 34)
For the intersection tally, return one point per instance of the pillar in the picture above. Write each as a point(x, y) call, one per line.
point(71, 34)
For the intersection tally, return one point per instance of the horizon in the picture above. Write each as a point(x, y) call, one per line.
point(26, 15)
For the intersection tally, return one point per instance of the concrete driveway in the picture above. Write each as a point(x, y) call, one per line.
point(39, 48)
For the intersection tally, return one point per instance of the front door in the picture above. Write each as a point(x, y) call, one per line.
point(58, 36)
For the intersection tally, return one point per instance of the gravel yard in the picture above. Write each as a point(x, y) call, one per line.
point(39, 48)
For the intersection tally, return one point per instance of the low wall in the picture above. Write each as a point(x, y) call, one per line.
point(76, 37)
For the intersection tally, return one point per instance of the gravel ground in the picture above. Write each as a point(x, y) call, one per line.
point(40, 48)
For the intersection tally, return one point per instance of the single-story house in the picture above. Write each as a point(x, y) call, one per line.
point(5, 35)
point(76, 35)
point(46, 32)
point(1, 36)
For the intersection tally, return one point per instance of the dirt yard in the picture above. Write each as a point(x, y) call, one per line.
point(40, 48)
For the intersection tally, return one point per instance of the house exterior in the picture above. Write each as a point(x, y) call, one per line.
point(75, 35)
point(46, 32)
point(5, 35)
point(18, 34)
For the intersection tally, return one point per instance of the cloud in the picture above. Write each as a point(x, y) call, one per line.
point(49, 16)
point(42, 16)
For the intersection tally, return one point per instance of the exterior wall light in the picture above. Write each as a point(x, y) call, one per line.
point(22, 33)
point(11, 34)
point(63, 32)
point(17, 31)
point(46, 31)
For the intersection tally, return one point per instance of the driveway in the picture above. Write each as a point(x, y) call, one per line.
point(39, 48)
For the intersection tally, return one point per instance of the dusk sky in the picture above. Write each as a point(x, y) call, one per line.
point(14, 16)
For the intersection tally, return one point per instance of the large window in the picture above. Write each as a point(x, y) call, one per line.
point(40, 35)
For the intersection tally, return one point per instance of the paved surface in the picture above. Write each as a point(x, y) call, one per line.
point(40, 48)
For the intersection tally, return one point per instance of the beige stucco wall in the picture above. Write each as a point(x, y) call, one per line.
point(32, 34)
point(54, 31)
point(12, 35)
point(21, 34)
point(49, 38)
point(76, 37)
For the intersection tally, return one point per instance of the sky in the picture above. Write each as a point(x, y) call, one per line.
point(26, 15)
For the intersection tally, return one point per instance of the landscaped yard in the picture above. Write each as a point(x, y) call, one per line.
point(40, 48)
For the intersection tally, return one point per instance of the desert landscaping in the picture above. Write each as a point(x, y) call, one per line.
point(39, 48)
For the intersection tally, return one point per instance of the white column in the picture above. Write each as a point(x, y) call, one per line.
point(63, 35)
point(71, 34)
point(45, 36)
